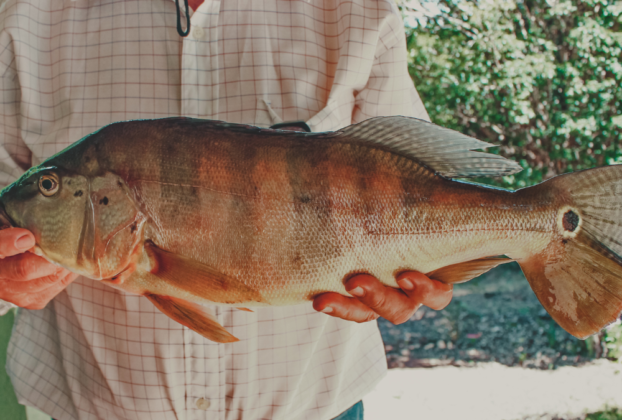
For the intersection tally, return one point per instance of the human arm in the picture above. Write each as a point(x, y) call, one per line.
point(26, 279)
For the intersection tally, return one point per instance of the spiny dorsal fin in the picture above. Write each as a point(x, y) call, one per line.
point(444, 151)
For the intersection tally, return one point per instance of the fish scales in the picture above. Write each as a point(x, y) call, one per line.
point(324, 210)
point(184, 210)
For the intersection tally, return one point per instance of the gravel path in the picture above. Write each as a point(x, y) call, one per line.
point(492, 391)
point(494, 318)
point(493, 353)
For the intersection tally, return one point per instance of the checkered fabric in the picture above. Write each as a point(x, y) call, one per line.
point(70, 67)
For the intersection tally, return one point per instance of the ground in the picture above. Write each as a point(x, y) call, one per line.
point(497, 354)
point(495, 317)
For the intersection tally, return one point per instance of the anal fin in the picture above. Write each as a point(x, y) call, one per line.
point(465, 271)
point(193, 316)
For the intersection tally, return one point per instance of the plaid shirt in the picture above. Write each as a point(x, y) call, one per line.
point(71, 67)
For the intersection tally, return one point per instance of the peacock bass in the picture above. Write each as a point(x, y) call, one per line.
point(188, 212)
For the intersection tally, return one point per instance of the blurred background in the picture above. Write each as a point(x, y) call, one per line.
point(541, 79)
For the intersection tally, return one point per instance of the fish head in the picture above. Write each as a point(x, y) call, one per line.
point(52, 203)
point(85, 222)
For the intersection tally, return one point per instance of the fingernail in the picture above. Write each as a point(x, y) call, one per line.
point(357, 291)
point(406, 284)
point(327, 310)
point(24, 242)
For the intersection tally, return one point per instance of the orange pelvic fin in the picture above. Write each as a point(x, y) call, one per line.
point(465, 271)
point(193, 316)
point(244, 309)
point(199, 279)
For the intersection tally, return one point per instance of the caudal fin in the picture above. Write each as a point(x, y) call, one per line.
point(578, 277)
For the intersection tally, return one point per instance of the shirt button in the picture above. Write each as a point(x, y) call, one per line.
point(198, 32)
point(203, 404)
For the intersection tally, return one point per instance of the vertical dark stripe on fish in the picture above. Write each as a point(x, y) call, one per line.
point(364, 169)
point(307, 162)
point(411, 199)
point(241, 152)
point(178, 167)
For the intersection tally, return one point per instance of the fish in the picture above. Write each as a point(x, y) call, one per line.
point(190, 213)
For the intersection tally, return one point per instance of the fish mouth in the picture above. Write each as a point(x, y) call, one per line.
point(5, 220)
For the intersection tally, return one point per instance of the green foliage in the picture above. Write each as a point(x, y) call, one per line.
point(9, 407)
point(541, 78)
point(610, 414)
point(612, 341)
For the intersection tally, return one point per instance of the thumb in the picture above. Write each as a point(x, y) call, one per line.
point(15, 241)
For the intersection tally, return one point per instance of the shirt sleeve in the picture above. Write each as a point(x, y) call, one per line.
point(389, 89)
point(15, 156)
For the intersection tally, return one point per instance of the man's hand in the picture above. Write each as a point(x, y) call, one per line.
point(373, 299)
point(26, 279)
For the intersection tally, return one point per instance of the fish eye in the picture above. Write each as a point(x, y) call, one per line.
point(49, 184)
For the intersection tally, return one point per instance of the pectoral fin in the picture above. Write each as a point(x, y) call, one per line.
point(199, 279)
point(465, 271)
point(193, 316)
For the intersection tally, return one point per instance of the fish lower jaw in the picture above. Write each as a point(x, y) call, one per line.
point(39, 252)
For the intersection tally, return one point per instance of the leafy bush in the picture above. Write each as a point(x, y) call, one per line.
point(541, 78)
point(610, 414)
point(612, 339)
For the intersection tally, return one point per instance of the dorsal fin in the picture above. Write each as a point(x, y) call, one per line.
point(442, 150)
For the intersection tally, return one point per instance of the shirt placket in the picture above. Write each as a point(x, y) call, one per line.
point(204, 378)
point(199, 63)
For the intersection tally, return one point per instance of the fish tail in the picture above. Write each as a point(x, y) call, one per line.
point(578, 276)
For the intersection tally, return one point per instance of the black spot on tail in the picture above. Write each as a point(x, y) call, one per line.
point(78, 193)
point(570, 221)
point(104, 201)
point(133, 227)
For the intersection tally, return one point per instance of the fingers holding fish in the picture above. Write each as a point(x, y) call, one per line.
point(373, 299)
point(15, 241)
point(429, 292)
point(38, 300)
point(398, 305)
point(350, 309)
point(36, 294)
point(26, 267)
point(30, 281)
